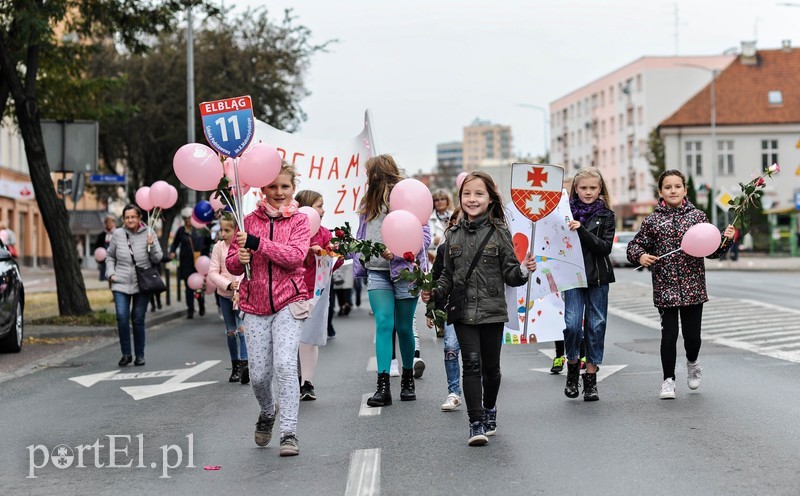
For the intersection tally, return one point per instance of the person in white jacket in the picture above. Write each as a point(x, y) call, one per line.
point(227, 284)
point(131, 245)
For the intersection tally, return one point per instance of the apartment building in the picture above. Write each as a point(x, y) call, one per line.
point(486, 141)
point(449, 162)
point(606, 123)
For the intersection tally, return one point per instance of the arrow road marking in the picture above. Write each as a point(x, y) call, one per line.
point(176, 383)
point(605, 370)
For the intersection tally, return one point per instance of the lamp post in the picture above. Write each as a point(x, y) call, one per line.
point(714, 73)
point(544, 123)
point(191, 197)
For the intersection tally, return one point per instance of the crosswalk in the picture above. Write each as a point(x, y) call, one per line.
point(747, 325)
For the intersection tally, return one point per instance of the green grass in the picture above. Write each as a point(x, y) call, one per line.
point(100, 318)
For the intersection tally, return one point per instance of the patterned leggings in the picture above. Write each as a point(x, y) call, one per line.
point(272, 343)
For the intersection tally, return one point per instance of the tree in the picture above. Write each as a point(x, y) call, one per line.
point(691, 191)
point(28, 45)
point(234, 55)
point(655, 157)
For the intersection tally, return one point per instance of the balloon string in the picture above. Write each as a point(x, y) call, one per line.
point(662, 256)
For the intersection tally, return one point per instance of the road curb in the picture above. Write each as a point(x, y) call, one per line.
point(53, 332)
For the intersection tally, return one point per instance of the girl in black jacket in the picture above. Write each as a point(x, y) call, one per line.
point(594, 221)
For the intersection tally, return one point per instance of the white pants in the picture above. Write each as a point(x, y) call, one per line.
point(272, 343)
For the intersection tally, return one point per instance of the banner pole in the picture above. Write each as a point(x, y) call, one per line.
point(238, 201)
point(528, 288)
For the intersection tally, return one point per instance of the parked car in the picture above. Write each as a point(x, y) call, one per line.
point(12, 303)
point(619, 256)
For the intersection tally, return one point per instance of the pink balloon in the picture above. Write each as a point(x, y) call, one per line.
point(229, 170)
point(460, 178)
point(4, 236)
point(216, 203)
point(202, 264)
point(210, 286)
point(100, 254)
point(160, 193)
point(143, 198)
point(313, 218)
point(402, 233)
point(701, 240)
point(195, 281)
point(413, 196)
point(173, 197)
point(260, 166)
point(198, 167)
point(197, 224)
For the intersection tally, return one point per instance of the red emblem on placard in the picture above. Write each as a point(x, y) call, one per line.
point(536, 189)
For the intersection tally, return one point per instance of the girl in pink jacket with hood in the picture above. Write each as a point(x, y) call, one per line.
point(274, 242)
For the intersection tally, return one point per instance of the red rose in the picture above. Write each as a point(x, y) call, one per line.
point(409, 257)
point(760, 181)
point(339, 233)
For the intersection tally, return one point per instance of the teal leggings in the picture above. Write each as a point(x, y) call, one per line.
point(391, 314)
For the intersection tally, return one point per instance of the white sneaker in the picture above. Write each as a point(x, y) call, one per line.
point(452, 402)
point(419, 368)
point(694, 372)
point(393, 370)
point(667, 390)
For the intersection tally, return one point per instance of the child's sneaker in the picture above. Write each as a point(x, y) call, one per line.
point(667, 390)
point(419, 367)
point(490, 421)
point(263, 433)
point(558, 365)
point(477, 434)
point(452, 402)
point(694, 372)
point(583, 363)
point(289, 446)
point(307, 392)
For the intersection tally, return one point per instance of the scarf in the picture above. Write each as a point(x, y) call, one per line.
point(583, 212)
point(282, 211)
point(443, 217)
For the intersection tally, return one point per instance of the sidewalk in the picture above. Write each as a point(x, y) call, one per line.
point(757, 262)
point(42, 280)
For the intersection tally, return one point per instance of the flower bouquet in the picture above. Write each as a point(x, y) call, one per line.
point(750, 197)
point(422, 281)
point(345, 243)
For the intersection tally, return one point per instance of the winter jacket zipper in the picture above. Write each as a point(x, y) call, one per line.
point(269, 268)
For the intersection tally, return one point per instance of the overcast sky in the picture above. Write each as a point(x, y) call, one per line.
point(428, 68)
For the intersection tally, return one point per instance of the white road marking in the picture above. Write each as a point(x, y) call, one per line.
point(368, 411)
point(372, 364)
point(364, 477)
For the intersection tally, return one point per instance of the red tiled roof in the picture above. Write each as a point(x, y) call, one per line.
point(741, 93)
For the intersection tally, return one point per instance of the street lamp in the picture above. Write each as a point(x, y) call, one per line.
point(544, 123)
point(714, 73)
point(190, 138)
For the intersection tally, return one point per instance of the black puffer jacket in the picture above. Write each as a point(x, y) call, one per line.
point(597, 238)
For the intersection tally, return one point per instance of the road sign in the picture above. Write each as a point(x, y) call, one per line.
point(722, 200)
point(107, 179)
point(797, 200)
point(228, 124)
point(141, 392)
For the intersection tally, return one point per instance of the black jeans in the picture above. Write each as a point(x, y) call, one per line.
point(480, 360)
point(691, 317)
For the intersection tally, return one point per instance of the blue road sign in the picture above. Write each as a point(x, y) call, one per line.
point(228, 124)
point(107, 179)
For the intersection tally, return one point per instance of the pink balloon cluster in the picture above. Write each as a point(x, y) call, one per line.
point(100, 254)
point(410, 205)
point(160, 194)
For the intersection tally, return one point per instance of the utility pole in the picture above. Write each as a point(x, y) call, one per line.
point(191, 197)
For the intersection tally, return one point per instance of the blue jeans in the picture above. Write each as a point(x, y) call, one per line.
point(122, 304)
point(594, 301)
point(236, 342)
point(451, 366)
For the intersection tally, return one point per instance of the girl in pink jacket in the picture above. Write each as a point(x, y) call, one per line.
point(309, 352)
point(227, 284)
point(274, 242)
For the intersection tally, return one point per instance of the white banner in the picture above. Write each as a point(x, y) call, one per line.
point(16, 190)
point(333, 168)
point(315, 327)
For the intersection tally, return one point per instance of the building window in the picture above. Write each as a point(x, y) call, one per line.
point(638, 83)
point(621, 123)
point(610, 94)
point(613, 156)
point(640, 116)
point(694, 157)
point(603, 98)
point(775, 97)
point(611, 126)
point(769, 153)
point(725, 157)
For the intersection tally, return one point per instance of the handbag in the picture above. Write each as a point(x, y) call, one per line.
point(457, 300)
point(149, 279)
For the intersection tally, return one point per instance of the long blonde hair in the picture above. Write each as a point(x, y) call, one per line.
point(590, 172)
point(382, 175)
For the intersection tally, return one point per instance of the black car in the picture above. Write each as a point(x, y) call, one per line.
point(12, 303)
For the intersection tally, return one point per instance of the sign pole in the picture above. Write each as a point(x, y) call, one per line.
point(238, 201)
point(528, 288)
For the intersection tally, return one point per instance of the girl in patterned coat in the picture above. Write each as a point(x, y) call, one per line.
point(679, 280)
point(275, 242)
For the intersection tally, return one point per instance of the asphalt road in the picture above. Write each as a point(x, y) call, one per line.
point(736, 435)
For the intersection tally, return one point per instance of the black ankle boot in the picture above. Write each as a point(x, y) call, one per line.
point(573, 375)
point(590, 387)
point(236, 371)
point(383, 395)
point(407, 386)
point(245, 372)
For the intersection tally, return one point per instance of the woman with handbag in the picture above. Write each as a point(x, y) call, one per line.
point(478, 262)
point(131, 255)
